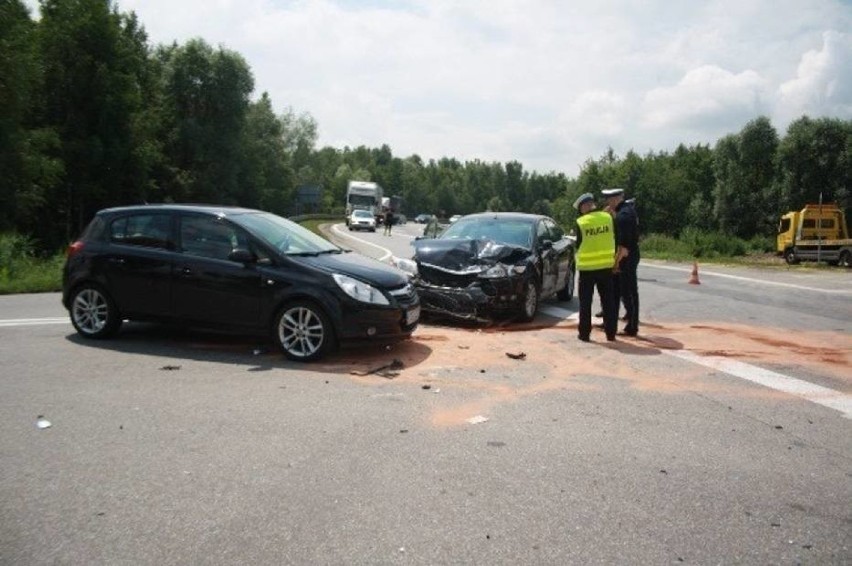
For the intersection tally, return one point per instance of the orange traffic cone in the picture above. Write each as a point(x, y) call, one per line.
point(693, 279)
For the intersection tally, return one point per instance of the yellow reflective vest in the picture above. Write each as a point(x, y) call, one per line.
point(597, 248)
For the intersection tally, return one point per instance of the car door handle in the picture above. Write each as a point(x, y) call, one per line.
point(118, 260)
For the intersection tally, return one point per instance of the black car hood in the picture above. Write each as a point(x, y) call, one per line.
point(466, 255)
point(356, 265)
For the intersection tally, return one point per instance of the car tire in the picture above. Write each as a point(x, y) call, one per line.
point(790, 257)
point(303, 331)
point(530, 305)
point(845, 259)
point(93, 312)
point(350, 227)
point(567, 292)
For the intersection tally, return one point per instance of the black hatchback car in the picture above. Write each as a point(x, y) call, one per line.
point(235, 269)
point(492, 264)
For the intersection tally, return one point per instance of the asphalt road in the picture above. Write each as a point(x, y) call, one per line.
point(169, 447)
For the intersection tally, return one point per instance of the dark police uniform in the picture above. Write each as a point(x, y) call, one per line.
point(595, 259)
point(627, 223)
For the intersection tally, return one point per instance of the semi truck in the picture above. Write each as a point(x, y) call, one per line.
point(818, 232)
point(363, 195)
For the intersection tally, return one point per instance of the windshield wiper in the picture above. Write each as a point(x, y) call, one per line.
point(314, 254)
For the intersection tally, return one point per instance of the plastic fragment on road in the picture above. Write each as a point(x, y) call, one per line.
point(478, 419)
point(518, 356)
point(42, 422)
point(388, 371)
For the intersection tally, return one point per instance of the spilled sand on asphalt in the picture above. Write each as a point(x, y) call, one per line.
point(472, 363)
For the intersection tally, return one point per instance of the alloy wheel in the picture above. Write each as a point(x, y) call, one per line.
point(301, 332)
point(90, 311)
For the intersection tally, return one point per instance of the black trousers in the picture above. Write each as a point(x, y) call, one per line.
point(603, 280)
point(630, 290)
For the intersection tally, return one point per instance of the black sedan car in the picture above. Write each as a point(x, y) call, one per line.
point(235, 269)
point(493, 264)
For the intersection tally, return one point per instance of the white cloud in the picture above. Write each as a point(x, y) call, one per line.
point(547, 82)
point(823, 83)
point(707, 98)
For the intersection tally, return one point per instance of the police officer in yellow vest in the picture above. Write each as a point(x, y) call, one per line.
point(595, 259)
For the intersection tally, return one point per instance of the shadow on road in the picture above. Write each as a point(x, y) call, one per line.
point(179, 344)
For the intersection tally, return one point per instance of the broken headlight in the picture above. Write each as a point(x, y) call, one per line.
point(406, 265)
point(501, 270)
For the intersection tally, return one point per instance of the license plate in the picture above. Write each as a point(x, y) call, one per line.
point(412, 315)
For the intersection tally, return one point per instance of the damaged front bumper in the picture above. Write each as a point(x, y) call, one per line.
point(481, 300)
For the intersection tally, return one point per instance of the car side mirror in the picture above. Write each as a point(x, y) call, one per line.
point(242, 255)
point(546, 245)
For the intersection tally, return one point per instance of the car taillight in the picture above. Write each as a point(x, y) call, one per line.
point(73, 249)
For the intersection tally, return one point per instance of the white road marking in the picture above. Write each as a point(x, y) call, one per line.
point(32, 321)
point(768, 378)
point(387, 253)
point(774, 380)
point(559, 312)
point(750, 279)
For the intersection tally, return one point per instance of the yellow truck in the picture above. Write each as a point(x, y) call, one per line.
point(818, 232)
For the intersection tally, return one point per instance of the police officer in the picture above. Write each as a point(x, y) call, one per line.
point(595, 259)
point(627, 229)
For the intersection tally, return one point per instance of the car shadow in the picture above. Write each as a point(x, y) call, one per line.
point(175, 344)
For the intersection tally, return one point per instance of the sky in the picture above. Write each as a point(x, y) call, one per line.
point(547, 83)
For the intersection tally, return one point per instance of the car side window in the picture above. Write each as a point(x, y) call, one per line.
point(208, 236)
point(554, 230)
point(149, 230)
point(542, 233)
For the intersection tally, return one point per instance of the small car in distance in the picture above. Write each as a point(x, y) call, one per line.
point(492, 264)
point(233, 269)
point(422, 218)
point(454, 218)
point(362, 220)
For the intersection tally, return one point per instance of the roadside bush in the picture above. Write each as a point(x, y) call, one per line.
point(761, 245)
point(712, 244)
point(14, 250)
point(694, 244)
point(22, 271)
point(664, 246)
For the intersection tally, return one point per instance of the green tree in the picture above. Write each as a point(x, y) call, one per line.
point(20, 194)
point(745, 200)
point(207, 101)
point(94, 63)
point(815, 157)
point(266, 179)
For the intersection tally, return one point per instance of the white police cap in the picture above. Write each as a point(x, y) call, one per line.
point(612, 192)
point(585, 197)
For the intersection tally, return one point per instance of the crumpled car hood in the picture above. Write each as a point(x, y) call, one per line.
point(464, 256)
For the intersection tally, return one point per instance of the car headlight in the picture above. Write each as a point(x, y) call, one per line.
point(500, 270)
point(406, 265)
point(359, 290)
point(496, 271)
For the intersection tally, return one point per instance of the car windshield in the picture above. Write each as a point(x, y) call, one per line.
point(362, 214)
point(511, 231)
point(284, 235)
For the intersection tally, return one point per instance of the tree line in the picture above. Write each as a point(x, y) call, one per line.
point(92, 115)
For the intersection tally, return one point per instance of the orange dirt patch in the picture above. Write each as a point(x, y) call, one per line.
point(472, 362)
